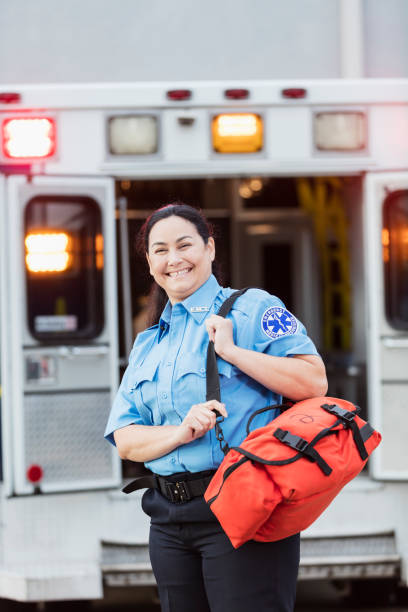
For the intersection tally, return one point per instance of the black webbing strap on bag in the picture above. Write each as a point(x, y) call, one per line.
point(347, 418)
point(213, 378)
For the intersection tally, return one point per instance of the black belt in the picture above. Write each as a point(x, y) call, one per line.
point(177, 488)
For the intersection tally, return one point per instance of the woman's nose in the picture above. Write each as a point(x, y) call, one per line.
point(173, 257)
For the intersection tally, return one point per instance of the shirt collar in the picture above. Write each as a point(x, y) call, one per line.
point(164, 320)
point(198, 305)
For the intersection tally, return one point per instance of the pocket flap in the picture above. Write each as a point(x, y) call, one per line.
point(141, 373)
point(226, 369)
point(196, 364)
point(192, 364)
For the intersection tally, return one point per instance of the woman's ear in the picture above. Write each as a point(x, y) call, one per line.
point(149, 264)
point(211, 245)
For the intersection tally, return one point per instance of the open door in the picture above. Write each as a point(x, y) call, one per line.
point(386, 271)
point(3, 324)
point(61, 322)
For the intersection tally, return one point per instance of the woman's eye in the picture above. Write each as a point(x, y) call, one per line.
point(183, 246)
point(160, 251)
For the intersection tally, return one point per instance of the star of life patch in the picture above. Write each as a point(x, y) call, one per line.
point(277, 322)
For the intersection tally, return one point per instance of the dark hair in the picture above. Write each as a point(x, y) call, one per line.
point(157, 296)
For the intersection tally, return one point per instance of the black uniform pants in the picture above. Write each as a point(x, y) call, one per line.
point(198, 570)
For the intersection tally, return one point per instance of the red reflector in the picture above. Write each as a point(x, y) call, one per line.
point(294, 92)
point(236, 94)
point(34, 473)
point(9, 97)
point(29, 138)
point(179, 94)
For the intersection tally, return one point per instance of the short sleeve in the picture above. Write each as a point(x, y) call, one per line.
point(124, 411)
point(270, 328)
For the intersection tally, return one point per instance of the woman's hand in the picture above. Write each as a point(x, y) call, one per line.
point(220, 331)
point(199, 419)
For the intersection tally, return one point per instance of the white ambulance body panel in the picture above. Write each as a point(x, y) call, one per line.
point(61, 543)
point(185, 150)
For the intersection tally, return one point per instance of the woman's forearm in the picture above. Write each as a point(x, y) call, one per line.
point(146, 442)
point(297, 378)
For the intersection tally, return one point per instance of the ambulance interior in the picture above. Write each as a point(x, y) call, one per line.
point(299, 238)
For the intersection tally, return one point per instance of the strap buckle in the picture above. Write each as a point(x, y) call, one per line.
point(303, 446)
point(178, 492)
point(291, 440)
point(345, 415)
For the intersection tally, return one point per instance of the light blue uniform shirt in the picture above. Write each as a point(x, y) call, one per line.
point(166, 374)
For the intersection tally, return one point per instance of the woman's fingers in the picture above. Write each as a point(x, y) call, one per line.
point(201, 417)
point(209, 408)
point(215, 405)
point(220, 331)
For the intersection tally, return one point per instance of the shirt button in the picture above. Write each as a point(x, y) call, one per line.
point(202, 369)
point(169, 363)
point(173, 460)
point(164, 395)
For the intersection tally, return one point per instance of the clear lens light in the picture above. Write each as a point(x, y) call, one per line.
point(47, 252)
point(29, 138)
point(340, 131)
point(133, 135)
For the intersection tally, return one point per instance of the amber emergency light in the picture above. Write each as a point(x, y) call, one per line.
point(237, 133)
point(47, 252)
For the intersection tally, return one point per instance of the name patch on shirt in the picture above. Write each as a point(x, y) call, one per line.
point(277, 322)
point(199, 309)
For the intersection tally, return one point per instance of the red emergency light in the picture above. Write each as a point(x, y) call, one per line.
point(10, 97)
point(34, 473)
point(29, 137)
point(236, 94)
point(179, 94)
point(294, 92)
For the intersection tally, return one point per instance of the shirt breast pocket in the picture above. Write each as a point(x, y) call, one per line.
point(143, 388)
point(228, 378)
point(190, 382)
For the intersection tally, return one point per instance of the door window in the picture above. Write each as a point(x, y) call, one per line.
point(395, 257)
point(64, 268)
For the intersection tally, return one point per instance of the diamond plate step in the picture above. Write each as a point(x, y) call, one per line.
point(342, 557)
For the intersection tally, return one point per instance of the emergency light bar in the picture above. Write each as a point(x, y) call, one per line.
point(340, 131)
point(133, 135)
point(28, 138)
point(47, 252)
point(237, 133)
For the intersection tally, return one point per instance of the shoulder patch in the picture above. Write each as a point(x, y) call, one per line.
point(277, 322)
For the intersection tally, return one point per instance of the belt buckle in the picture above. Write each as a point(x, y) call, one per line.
point(178, 492)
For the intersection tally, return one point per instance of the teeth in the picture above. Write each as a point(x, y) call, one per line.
point(178, 273)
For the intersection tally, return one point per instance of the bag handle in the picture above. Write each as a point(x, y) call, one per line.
point(281, 407)
point(212, 375)
point(213, 378)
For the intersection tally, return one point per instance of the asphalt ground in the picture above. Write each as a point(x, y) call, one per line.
point(312, 597)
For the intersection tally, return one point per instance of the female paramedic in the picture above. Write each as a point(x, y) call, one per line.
point(161, 417)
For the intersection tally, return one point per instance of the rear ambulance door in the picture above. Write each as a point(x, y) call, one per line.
point(62, 344)
point(3, 323)
point(386, 269)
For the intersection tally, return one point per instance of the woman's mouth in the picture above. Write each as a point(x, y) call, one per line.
point(179, 273)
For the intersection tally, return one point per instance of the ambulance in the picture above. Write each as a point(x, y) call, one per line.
point(306, 185)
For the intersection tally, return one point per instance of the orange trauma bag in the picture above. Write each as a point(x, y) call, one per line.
point(284, 475)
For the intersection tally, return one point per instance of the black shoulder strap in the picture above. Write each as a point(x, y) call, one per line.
point(213, 379)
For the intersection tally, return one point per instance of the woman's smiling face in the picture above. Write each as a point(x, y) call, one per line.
point(179, 259)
